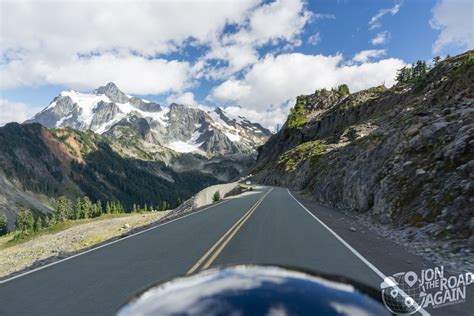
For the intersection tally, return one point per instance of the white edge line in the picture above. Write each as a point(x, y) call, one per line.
point(422, 311)
point(106, 244)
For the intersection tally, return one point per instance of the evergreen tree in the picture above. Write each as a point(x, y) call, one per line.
point(3, 225)
point(108, 208)
point(64, 209)
point(120, 208)
point(343, 89)
point(134, 208)
point(86, 208)
point(78, 208)
point(24, 220)
point(98, 209)
point(436, 60)
point(38, 224)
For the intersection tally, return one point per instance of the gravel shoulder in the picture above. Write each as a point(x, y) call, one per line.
point(49, 247)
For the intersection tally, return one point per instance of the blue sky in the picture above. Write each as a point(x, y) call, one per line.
point(250, 57)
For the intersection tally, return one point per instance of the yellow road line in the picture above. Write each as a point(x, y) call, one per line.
point(232, 232)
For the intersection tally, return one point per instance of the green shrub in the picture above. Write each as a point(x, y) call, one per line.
point(216, 197)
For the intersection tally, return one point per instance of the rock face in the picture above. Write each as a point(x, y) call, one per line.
point(404, 154)
point(184, 129)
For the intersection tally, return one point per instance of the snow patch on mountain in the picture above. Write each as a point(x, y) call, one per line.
point(181, 128)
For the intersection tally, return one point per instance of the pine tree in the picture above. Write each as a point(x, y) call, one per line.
point(64, 209)
point(98, 209)
point(86, 207)
point(24, 220)
point(343, 90)
point(120, 207)
point(436, 60)
point(108, 208)
point(78, 208)
point(38, 224)
point(3, 225)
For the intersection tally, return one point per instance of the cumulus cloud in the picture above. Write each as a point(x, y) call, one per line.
point(239, 49)
point(370, 54)
point(375, 20)
point(454, 19)
point(134, 74)
point(269, 87)
point(84, 43)
point(381, 38)
point(186, 98)
point(15, 111)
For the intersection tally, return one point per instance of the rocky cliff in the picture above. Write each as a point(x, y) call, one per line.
point(404, 155)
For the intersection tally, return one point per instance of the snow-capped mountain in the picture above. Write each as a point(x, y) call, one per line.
point(182, 128)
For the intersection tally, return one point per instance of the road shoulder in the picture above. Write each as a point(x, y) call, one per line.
point(385, 254)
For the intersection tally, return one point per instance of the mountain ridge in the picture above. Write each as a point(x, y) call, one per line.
point(184, 129)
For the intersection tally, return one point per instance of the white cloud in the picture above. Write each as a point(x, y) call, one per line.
point(146, 27)
point(314, 39)
point(15, 111)
point(135, 74)
point(454, 19)
point(40, 41)
point(186, 98)
point(381, 38)
point(262, 27)
point(375, 20)
point(370, 54)
point(274, 22)
point(269, 85)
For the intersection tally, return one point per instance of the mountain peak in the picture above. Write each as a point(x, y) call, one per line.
point(110, 87)
point(113, 92)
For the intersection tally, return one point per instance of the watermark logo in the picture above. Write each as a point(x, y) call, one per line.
point(408, 292)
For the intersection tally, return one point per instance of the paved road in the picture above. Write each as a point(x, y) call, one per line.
point(266, 226)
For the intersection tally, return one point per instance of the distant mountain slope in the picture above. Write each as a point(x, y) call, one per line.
point(405, 154)
point(183, 129)
point(37, 165)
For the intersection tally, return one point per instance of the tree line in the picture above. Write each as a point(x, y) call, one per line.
point(27, 223)
point(416, 72)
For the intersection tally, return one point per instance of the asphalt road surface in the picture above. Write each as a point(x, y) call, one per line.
point(266, 226)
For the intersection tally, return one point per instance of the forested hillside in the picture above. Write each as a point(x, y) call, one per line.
point(38, 165)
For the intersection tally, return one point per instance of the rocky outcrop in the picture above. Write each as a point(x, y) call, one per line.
point(404, 155)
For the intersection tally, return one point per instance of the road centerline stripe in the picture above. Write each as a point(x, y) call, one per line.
point(223, 241)
point(105, 244)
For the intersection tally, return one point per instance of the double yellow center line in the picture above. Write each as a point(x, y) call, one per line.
point(210, 256)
